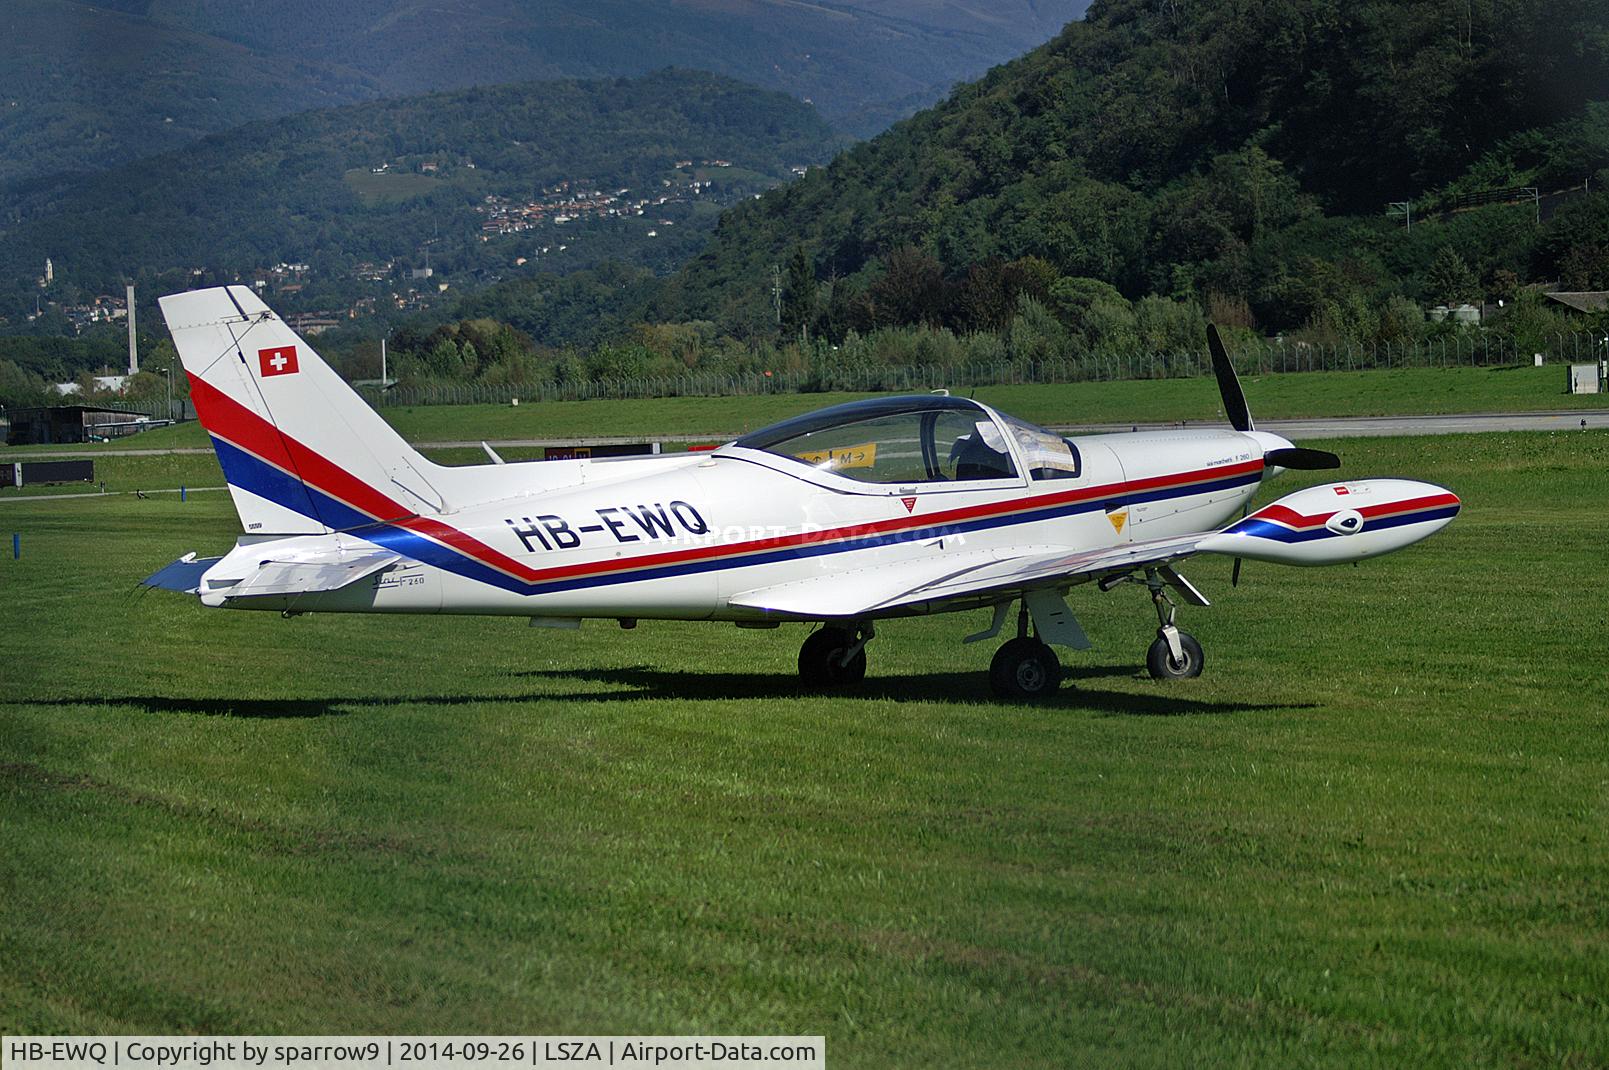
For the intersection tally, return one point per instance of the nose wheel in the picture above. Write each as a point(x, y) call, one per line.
point(834, 657)
point(1173, 655)
point(1164, 664)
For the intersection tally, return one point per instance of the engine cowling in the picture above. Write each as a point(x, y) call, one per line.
point(1338, 522)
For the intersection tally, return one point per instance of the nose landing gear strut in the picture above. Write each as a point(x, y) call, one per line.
point(1173, 655)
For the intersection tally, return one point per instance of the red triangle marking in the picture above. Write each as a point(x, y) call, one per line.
point(910, 503)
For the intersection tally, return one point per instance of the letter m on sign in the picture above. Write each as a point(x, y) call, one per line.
point(281, 360)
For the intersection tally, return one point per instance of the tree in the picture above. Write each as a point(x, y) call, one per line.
point(1449, 280)
point(799, 297)
point(912, 289)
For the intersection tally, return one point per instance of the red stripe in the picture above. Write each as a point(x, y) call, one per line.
point(222, 415)
point(778, 542)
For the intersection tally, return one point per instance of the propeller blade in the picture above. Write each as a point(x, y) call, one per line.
point(1301, 459)
point(1228, 383)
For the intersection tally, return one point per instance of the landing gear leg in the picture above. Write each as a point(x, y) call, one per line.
point(1174, 655)
point(1024, 668)
point(835, 656)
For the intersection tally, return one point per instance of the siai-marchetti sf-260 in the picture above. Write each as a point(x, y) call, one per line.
point(858, 513)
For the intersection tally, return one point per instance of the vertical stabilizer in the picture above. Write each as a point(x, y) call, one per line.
point(302, 453)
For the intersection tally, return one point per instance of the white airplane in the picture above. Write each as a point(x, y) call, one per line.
point(889, 507)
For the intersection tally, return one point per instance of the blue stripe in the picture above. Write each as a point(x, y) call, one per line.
point(263, 479)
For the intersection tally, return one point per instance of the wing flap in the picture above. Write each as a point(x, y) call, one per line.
point(1055, 568)
point(956, 575)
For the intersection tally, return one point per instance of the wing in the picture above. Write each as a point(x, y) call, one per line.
point(959, 576)
point(1320, 525)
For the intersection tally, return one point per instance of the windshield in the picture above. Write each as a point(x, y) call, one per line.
point(1046, 454)
point(917, 445)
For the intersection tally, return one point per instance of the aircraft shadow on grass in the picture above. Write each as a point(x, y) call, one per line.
point(270, 708)
point(642, 682)
point(649, 683)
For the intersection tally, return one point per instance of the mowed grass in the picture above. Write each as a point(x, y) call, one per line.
point(393, 187)
point(1307, 394)
point(1373, 833)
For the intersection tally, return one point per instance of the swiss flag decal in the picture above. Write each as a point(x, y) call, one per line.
point(909, 503)
point(281, 360)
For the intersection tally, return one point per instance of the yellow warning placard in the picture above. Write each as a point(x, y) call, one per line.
point(861, 456)
point(1118, 519)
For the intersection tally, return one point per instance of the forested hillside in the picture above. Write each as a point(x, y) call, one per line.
point(1320, 172)
point(1189, 149)
point(470, 183)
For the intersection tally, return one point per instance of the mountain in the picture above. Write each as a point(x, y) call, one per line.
point(89, 86)
point(1190, 149)
point(467, 183)
point(855, 59)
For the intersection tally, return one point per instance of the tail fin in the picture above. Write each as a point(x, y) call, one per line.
point(302, 453)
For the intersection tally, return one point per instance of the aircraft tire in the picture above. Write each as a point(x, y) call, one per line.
point(819, 658)
point(1159, 659)
point(1024, 669)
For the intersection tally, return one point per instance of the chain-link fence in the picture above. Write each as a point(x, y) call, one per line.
point(843, 374)
point(156, 409)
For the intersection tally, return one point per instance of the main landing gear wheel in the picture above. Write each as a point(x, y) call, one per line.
point(1164, 666)
point(833, 658)
point(1024, 669)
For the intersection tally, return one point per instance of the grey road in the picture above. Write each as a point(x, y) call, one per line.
point(1374, 426)
point(1326, 427)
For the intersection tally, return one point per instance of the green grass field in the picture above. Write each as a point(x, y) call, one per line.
point(393, 187)
point(1373, 833)
point(1413, 390)
point(1272, 397)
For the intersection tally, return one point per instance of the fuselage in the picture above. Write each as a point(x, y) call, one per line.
point(680, 537)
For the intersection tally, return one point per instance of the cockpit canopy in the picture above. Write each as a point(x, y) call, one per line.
point(918, 439)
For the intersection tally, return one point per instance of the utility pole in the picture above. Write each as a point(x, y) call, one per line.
point(1536, 198)
point(776, 292)
point(133, 354)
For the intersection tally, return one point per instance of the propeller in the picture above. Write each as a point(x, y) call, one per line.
point(1228, 383)
point(1295, 458)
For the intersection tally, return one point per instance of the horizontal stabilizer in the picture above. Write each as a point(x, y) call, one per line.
point(183, 575)
point(311, 576)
